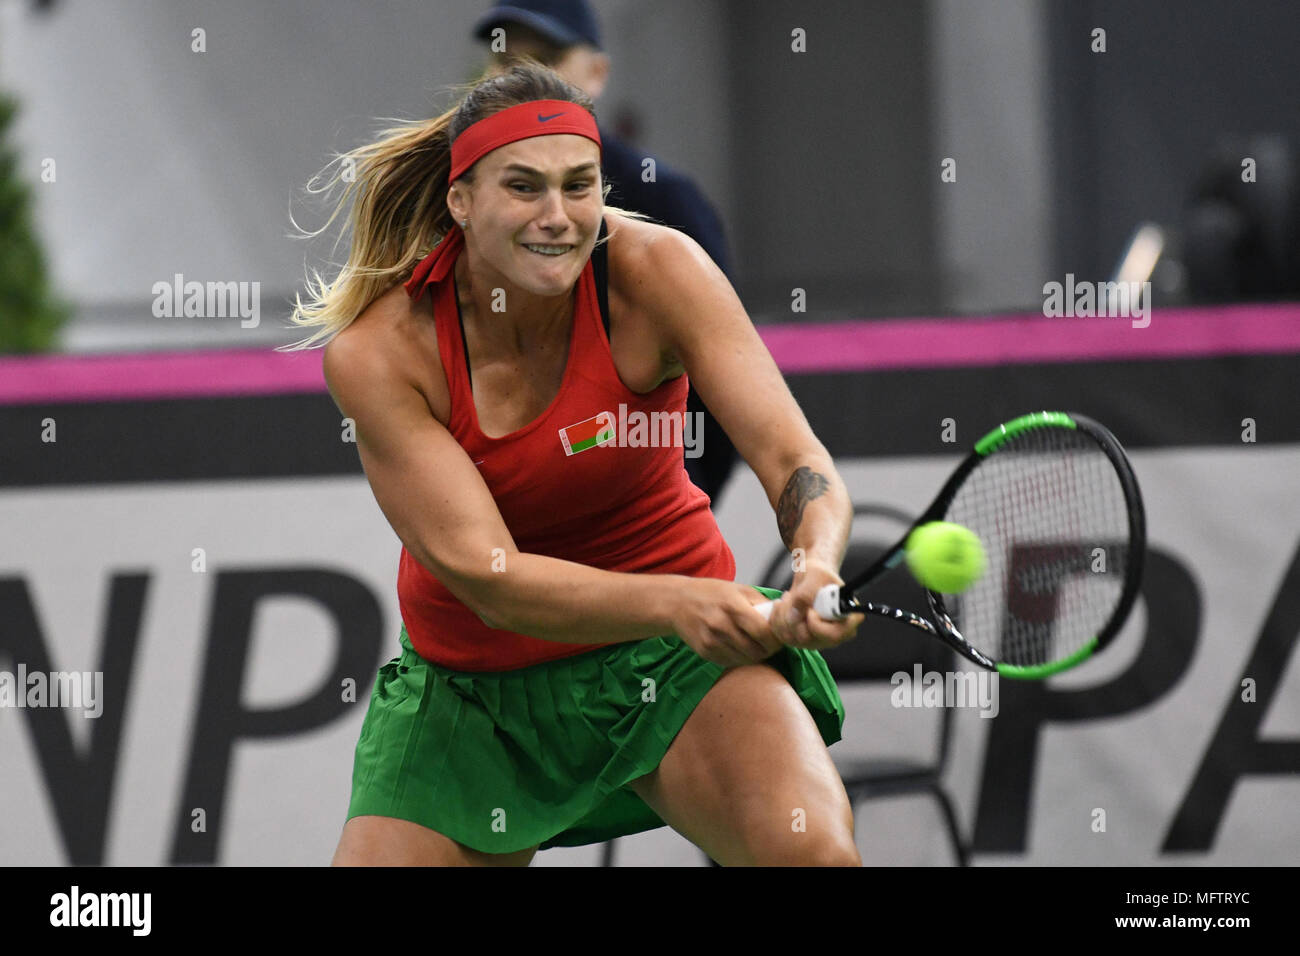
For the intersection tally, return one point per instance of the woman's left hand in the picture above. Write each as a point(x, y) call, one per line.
point(795, 623)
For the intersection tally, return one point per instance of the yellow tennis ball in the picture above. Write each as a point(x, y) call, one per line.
point(945, 557)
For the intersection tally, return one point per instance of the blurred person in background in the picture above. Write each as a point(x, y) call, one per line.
point(1241, 235)
point(564, 35)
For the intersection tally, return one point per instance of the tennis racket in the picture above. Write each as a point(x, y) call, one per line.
point(1055, 503)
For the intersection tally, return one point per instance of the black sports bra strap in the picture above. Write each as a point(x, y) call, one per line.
point(600, 267)
point(455, 294)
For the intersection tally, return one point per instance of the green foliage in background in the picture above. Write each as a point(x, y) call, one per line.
point(30, 314)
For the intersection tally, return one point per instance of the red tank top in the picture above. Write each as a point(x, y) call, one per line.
point(590, 481)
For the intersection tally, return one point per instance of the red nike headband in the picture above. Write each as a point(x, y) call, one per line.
point(535, 118)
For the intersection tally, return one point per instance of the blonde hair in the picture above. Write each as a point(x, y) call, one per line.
point(397, 189)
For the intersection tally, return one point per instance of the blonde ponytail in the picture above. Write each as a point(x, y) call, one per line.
point(397, 187)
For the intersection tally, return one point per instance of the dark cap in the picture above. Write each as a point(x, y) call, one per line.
point(565, 23)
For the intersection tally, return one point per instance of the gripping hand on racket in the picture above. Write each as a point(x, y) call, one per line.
point(794, 622)
point(717, 620)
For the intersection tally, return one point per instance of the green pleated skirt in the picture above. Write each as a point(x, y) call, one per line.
point(542, 755)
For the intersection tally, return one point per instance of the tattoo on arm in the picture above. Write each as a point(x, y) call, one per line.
point(804, 485)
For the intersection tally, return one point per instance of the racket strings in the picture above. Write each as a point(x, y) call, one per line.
point(1050, 510)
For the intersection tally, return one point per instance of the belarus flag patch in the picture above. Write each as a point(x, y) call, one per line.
point(597, 430)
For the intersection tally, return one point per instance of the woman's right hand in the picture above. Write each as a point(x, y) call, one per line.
point(717, 620)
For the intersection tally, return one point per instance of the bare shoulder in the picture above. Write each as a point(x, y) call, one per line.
point(667, 289)
point(648, 261)
point(393, 340)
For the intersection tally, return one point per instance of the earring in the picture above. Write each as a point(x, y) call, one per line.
point(464, 224)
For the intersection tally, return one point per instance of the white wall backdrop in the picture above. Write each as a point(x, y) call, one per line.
point(169, 160)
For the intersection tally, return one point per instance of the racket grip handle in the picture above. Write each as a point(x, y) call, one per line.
point(826, 604)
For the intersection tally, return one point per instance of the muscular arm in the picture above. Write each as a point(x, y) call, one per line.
point(814, 513)
point(706, 328)
point(805, 486)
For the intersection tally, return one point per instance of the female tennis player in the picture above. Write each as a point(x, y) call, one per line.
point(577, 661)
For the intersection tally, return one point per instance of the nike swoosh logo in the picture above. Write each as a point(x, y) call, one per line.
point(545, 119)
